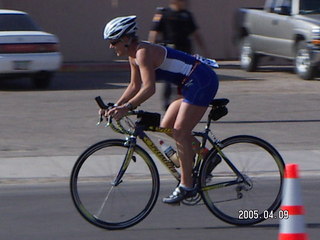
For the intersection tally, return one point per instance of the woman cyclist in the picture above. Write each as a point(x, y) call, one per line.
point(198, 85)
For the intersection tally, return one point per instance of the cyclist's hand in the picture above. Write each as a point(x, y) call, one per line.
point(102, 112)
point(118, 112)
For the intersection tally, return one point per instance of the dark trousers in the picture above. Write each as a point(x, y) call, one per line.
point(166, 95)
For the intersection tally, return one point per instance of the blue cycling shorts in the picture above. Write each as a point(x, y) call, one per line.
point(201, 86)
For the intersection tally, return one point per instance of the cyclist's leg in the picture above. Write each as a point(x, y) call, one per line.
point(188, 117)
point(197, 92)
point(170, 118)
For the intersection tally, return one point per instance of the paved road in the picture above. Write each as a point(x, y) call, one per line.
point(42, 133)
point(45, 211)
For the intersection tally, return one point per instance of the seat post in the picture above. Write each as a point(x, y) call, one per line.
point(207, 128)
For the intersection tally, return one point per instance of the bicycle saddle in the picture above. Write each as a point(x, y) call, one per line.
point(219, 102)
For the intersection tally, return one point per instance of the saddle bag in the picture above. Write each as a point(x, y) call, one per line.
point(217, 113)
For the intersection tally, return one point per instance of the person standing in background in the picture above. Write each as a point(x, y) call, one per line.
point(175, 27)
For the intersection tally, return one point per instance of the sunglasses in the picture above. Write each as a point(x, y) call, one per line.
point(114, 42)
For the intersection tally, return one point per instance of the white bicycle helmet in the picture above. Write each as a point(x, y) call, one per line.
point(119, 27)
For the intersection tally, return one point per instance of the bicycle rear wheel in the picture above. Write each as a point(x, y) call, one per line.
point(104, 203)
point(246, 198)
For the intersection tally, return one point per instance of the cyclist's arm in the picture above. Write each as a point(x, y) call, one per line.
point(147, 75)
point(127, 98)
point(133, 87)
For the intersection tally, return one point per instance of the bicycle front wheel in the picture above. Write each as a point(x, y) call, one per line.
point(244, 187)
point(106, 201)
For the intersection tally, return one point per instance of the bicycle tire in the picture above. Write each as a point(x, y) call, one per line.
point(97, 198)
point(243, 204)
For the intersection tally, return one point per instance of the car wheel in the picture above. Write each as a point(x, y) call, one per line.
point(42, 80)
point(248, 58)
point(303, 63)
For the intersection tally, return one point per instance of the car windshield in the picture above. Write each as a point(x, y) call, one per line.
point(17, 22)
point(309, 6)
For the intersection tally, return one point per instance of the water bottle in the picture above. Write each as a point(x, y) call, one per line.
point(170, 153)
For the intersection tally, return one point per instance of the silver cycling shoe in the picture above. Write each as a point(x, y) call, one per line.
point(179, 194)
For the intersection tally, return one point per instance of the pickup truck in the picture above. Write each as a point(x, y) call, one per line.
point(288, 29)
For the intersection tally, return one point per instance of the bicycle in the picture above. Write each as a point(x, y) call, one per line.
point(106, 175)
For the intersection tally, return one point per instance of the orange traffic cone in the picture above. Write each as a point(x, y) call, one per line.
point(292, 226)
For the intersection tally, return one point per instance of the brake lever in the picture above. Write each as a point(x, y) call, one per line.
point(109, 120)
point(105, 107)
point(100, 120)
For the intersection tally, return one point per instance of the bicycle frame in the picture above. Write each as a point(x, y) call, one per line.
point(139, 132)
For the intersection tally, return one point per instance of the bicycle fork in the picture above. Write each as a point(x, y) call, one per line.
point(130, 143)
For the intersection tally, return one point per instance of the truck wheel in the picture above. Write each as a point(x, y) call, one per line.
point(248, 58)
point(303, 63)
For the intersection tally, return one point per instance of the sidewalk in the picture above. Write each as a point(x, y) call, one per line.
point(59, 167)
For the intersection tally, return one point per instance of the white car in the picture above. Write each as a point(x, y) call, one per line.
point(25, 50)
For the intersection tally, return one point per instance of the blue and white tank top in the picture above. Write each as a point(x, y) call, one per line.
point(175, 67)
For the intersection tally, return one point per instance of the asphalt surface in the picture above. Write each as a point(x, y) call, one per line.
point(43, 132)
point(45, 211)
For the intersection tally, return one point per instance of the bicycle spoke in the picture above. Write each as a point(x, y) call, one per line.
point(250, 178)
point(103, 203)
point(132, 190)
